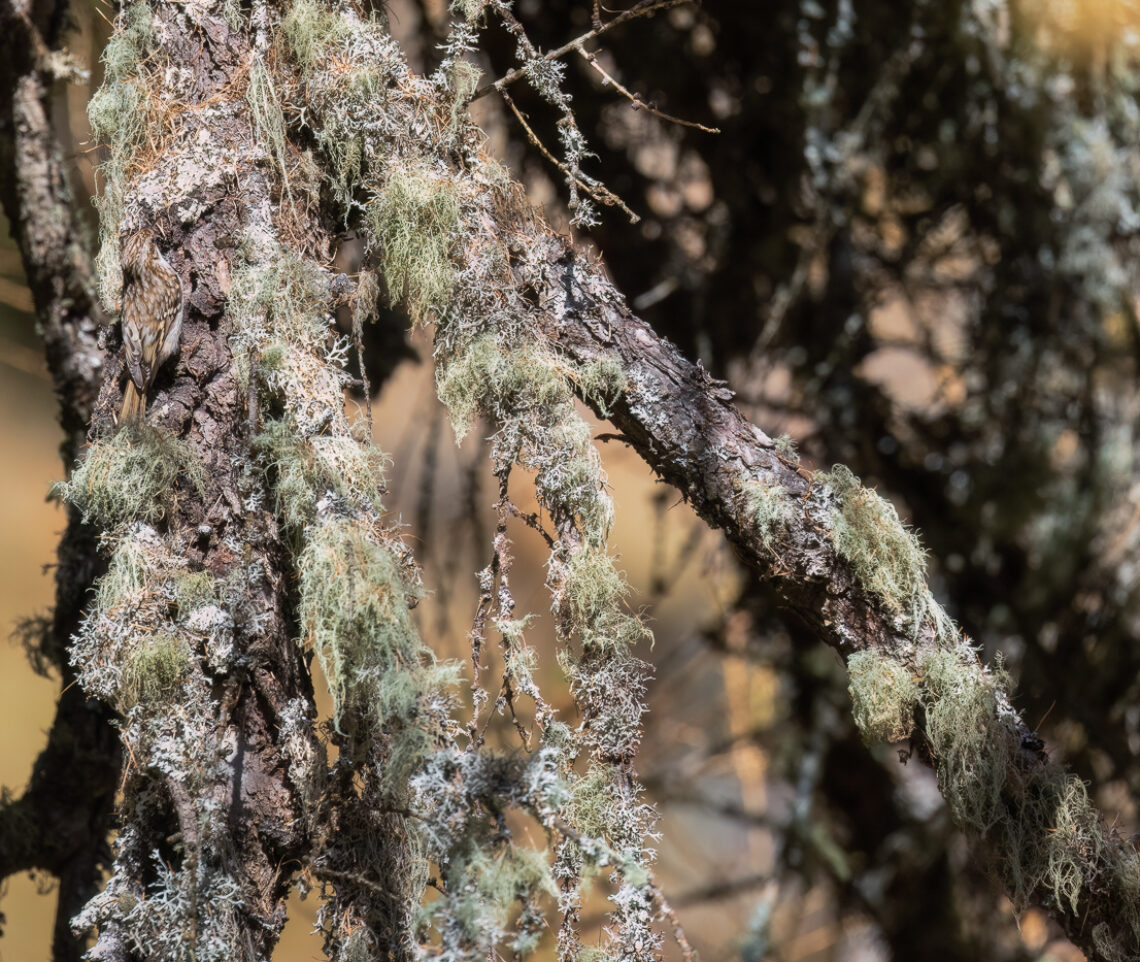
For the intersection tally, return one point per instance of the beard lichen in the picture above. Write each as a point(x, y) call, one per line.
point(491, 363)
point(121, 114)
point(1046, 840)
point(133, 475)
point(887, 558)
point(884, 695)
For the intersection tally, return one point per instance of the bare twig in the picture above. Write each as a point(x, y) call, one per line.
point(642, 9)
point(638, 103)
point(597, 191)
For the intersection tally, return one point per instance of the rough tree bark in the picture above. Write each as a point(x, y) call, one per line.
point(213, 779)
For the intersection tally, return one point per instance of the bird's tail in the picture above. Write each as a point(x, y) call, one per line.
point(134, 404)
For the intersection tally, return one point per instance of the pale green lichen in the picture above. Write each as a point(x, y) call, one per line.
point(354, 613)
point(153, 669)
point(134, 475)
point(310, 29)
point(463, 79)
point(305, 471)
point(592, 598)
point(119, 116)
point(488, 378)
point(1045, 834)
point(887, 558)
point(769, 508)
point(786, 448)
point(884, 695)
point(602, 383)
point(195, 589)
point(268, 121)
point(971, 749)
point(416, 219)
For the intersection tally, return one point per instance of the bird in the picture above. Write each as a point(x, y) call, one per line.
point(152, 317)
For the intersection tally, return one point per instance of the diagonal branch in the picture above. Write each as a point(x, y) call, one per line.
point(685, 426)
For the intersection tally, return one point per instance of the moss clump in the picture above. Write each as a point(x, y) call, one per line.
point(195, 589)
point(415, 219)
point(884, 695)
point(602, 383)
point(887, 558)
point(310, 28)
point(132, 476)
point(153, 670)
point(304, 471)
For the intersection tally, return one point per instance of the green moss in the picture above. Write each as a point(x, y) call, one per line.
point(884, 695)
point(415, 219)
point(887, 558)
point(195, 589)
point(153, 670)
point(135, 475)
point(310, 28)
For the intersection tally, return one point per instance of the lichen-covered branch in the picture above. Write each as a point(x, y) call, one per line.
point(845, 565)
point(520, 314)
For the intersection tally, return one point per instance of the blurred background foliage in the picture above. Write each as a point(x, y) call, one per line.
point(912, 247)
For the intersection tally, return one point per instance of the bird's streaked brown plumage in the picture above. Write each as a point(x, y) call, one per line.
point(152, 317)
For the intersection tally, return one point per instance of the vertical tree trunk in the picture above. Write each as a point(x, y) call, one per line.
point(191, 637)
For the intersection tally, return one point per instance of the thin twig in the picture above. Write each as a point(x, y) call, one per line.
point(678, 930)
point(601, 194)
point(638, 103)
point(641, 9)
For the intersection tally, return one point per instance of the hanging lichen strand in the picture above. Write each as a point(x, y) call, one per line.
point(356, 585)
point(392, 143)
